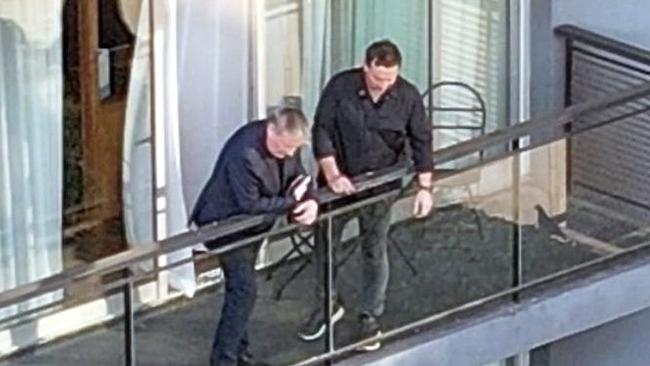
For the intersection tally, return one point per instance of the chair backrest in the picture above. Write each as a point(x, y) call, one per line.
point(436, 108)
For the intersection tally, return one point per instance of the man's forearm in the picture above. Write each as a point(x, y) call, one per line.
point(329, 167)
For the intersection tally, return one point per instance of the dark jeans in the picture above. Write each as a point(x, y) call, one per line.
point(231, 337)
point(374, 222)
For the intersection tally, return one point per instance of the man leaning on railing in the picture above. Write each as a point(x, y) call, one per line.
point(364, 119)
point(258, 172)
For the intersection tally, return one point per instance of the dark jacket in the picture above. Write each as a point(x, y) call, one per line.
point(365, 136)
point(248, 180)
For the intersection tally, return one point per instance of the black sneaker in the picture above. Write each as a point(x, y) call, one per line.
point(369, 327)
point(315, 326)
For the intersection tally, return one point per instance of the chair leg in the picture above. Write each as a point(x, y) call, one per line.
point(305, 257)
point(477, 217)
point(479, 225)
point(293, 276)
point(270, 270)
point(296, 245)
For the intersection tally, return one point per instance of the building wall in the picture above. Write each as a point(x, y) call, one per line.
point(621, 342)
point(625, 20)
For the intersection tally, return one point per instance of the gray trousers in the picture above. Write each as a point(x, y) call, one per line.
point(374, 222)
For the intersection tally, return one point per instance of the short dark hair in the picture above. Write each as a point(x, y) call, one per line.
point(383, 53)
point(290, 119)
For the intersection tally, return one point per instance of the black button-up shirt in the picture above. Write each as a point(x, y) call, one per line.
point(365, 136)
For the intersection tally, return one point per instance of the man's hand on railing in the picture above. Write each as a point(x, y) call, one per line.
point(305, 213)
point(341, 185)
point(336, 182)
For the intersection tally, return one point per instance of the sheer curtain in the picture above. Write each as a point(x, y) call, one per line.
point(201, 86)
point(137, 179)
point(31, 160)
point(214, 39)
point(171, 213)
point(316, 55)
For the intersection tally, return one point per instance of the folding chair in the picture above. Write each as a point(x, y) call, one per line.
point(301, 246)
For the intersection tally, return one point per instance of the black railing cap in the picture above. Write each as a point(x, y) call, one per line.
point(604, 43)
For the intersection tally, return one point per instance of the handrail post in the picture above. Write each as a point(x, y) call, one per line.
point(129, 329)
point(568, 78)
point(329, 267)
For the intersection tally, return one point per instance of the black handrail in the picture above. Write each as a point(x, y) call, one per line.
point(148, 251)
point(123, 261)
point(573, 33)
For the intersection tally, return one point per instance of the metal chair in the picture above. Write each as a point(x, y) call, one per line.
point(466, 179)
point(301, 247)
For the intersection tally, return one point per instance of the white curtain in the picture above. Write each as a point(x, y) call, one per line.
point(171, 213)
point(130, 13)
point(201, 85)
point(317, 63)
point(31, 157)
point(213, 83)
point(137, 180)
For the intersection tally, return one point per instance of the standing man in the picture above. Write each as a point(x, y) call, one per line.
point(258, 172)
point(363, 120)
